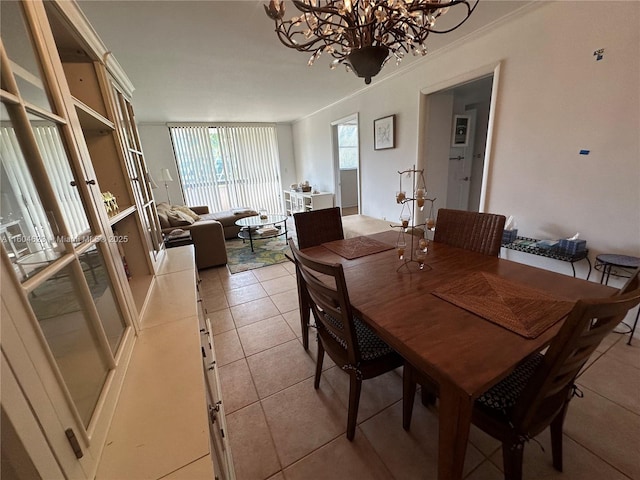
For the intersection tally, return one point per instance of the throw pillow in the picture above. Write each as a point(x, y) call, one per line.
point(187, 211)
point(179, 219)
point(243, 211)
point(164, 219)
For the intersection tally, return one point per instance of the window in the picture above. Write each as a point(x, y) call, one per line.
point(226, 167)
point(348, 146)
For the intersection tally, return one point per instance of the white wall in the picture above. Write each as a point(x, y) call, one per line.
point(158, 152)
point(554, 99)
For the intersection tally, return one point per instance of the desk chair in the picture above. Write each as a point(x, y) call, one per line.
point(537, 393)
point(314, 228)
point(350, 343)
point(479, 232)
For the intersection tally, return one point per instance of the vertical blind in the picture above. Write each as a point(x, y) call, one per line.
point(228, 166)
point(27, 200)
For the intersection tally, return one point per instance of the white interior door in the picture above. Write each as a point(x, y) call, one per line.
point(437, 144)
point(346, 163)
point(460, 163)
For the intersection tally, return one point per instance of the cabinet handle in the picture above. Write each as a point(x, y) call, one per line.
point(88, 182)
point(75, 445)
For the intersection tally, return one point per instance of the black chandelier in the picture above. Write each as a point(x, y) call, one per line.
point(363, 34)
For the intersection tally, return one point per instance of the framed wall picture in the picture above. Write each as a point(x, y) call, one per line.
point(460, 134)
point(384, 133)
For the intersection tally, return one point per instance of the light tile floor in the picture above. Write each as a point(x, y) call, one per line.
point(281, 428)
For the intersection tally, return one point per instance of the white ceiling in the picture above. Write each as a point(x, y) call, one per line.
point(196, 61)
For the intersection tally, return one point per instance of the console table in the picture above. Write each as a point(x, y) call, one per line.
point(529, 245)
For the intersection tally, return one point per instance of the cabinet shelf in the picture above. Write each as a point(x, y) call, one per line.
point(295, 202)
point(122, 215)
point(91, 120)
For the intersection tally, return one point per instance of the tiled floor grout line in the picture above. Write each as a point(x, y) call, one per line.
point(260, 400)
point(609, 400)
point(486, 457)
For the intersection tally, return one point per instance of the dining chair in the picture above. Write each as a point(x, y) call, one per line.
point(314, 228)
point(350, 343)
point(479, 232)
point(537, 393)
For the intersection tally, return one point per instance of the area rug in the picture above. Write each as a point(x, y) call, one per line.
point(266, 252)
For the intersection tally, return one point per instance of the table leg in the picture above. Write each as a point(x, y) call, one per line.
point(250, 240)
point(633, 329)
point(454, 424)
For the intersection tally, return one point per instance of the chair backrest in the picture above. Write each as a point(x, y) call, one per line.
point(550, 386)
point(326, 291)
point(479, 232)
point(318, 226)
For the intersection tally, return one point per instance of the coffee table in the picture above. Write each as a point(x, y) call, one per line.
point(250, 225)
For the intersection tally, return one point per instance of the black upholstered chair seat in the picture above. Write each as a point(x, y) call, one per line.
point(371, 346)
point(503, 396)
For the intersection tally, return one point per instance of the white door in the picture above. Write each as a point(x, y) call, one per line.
point(346, 161)
point(460, 163)
point(437, 143)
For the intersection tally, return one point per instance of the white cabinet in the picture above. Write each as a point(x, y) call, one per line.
point(295, 202)
point(220, 449)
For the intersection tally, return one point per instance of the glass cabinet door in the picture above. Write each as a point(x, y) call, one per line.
point(57, 250)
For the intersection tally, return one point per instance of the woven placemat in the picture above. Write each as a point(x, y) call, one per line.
point(521, 309)
point(356, 247)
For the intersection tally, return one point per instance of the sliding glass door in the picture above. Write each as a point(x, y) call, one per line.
point(228, 166)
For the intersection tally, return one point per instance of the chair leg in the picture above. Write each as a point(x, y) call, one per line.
point(316, 383)
point(408, 393)
point(304, 325)
point(556, 438)
point(355, 385)
point(512, 459)
point(305, 312)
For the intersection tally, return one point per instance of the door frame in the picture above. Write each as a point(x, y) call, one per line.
point(423, 119)
point(336, 159)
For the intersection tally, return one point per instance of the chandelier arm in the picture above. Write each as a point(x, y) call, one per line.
point(453, 3)
point(351, 28)
point(363, 34)
point(286, 38)
point(303, 7)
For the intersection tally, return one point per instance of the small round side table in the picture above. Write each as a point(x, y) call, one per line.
point(606, 262)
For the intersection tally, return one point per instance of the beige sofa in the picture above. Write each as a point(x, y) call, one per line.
point(207, 233)
point(228, 220)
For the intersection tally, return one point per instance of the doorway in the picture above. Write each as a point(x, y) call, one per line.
point(346, 164)
point(456, 122)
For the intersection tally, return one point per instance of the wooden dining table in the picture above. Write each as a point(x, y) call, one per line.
point(462, 352)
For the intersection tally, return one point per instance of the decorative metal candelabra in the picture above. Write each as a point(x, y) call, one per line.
point(407, 218)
